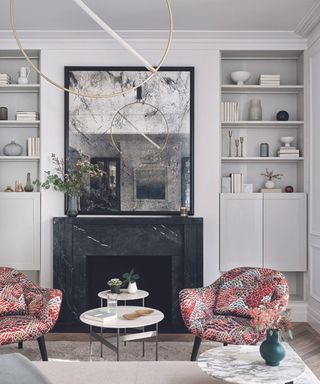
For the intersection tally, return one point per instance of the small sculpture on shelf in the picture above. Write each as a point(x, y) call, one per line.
point(230, 137)
point(237, 142)
point(241, 143)
point(18, 186)
point(9, 189)
point(28, 187)
point(270, 176)
point(282, 116)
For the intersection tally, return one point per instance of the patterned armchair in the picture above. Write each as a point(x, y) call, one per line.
point(27, 312)
point(219, 312)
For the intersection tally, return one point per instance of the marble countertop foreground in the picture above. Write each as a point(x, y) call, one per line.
point(242, 364)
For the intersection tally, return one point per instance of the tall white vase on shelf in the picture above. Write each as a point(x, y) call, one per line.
point(132, 287)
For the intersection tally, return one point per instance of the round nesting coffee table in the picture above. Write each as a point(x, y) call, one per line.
point(121, 323)
point(242, 364)
point(125, 296)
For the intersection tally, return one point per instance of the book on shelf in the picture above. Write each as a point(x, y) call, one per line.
point(230, 111)
point(288, 150)
point(27, 116)
point(236, 182)
point(270, 190)
point(33, 146)
point(269, 80)
point(101, 315)
point(289, 155)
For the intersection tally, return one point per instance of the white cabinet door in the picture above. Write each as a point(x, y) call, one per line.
point(241, 230)
point(285, 229)
point(20, 230)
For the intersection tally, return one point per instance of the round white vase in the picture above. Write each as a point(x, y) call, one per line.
point(132, 287)
point(269, 184)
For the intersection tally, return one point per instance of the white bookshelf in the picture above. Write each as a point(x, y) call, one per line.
point(20, 88)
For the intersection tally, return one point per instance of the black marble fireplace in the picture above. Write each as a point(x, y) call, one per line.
point(166, 252)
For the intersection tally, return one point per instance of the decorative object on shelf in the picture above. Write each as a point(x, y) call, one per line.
point(12, 149)
point(28, 187)
point(141, 137)
point(230, 144)
point(269, 80)
point(183, 211)
point(273, 322)
point(236, 182)
point(289, 189)
point(287, 140)
point(3, 113)
point(115, 285)
point(226, 184)
point(33, 146)
point(9, 189)
point(241, 143)
point(24, 75)
point(151, 71)
point(27, 116)
point(230, 111)
point(237, 142)
point(240, 77)
point(4, 79)
point(70, 180)
point(270, 190)
point(269, 175)
point(255, 110)
point(18, 186)
point(130, 278)
point(247, 188)
point(282, 116)
point(264, 150)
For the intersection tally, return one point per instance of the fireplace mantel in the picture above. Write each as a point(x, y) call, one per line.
point(77, 239)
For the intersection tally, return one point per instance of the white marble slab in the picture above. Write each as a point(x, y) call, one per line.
point(242, 364)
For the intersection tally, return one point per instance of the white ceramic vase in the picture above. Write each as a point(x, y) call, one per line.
point(269, 184)
point(132, 287)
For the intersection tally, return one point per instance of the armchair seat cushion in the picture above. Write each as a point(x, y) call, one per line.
point(12, 300)
point(20, 328)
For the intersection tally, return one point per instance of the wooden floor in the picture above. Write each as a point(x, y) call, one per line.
point(306, 342)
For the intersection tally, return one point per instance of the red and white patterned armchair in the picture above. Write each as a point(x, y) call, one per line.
point(219, 312)
point(27, 312)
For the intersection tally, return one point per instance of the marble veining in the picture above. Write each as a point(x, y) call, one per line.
point(242, 364)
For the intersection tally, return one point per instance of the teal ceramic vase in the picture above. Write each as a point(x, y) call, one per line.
point(271, 349)
point(72, 210)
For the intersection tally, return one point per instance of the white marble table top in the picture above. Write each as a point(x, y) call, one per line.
point(125, 296)
point(120, 322)
point(242, 364)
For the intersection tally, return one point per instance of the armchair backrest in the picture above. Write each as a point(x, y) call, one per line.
point(243, 288)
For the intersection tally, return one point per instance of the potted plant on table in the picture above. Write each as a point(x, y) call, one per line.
point(131, 279)
point(115, 285)
point(70, 180)
point(274, 324)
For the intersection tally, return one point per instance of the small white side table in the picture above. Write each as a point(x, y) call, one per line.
point(242, 364)
point(125, 296)
point(120, 323)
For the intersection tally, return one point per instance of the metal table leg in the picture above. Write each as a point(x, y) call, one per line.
point(118, 344)
point(90, 343)
point(157, 342)
point(125, 331)
point(101, 345)
point(143, 329)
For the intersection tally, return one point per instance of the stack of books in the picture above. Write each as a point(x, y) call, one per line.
point(269, 80)
point(101, 315)
point(33, 146)
point(26, 116)
point(4, 79)
point(236, 182)
point(289, 152)
point(230, 111)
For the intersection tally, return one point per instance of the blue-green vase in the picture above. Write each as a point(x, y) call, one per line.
point(271, 349)
point(72, 207)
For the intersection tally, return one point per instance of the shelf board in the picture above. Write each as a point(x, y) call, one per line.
point(20, 88)
point(19, 158)
point(20, 124)
point(233, 88)
point(16, 194)
point(260, 159)
point(262, 124)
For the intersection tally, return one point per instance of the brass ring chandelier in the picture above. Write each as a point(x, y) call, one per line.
point(82, 5)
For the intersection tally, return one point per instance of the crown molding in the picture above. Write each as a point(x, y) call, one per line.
point(309, 21)
point(153, 35)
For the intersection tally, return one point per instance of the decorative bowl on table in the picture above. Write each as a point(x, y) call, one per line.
point(240, 77)
point(287, 140)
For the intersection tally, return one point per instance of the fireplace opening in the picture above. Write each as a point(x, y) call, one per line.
point(155, 277)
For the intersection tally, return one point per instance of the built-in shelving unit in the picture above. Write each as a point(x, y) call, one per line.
point(20, 88)
point(254, 225)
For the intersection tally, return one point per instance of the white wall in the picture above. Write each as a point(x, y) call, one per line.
point(207, 76)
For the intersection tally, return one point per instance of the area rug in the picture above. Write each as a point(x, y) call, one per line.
point(79, 351)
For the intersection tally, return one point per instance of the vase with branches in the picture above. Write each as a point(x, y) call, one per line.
point(270, 176)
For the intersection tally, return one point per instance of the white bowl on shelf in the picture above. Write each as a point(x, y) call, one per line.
point(287, 140)
point(240, 77)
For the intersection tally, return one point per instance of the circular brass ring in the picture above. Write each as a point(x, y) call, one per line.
point(81, 94)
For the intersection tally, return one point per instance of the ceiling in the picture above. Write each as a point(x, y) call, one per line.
point(207, 15)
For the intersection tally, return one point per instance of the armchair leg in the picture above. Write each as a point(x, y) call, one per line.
point(43, 349)
point(195, 349)
point(225, 344)
point(20, 344)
